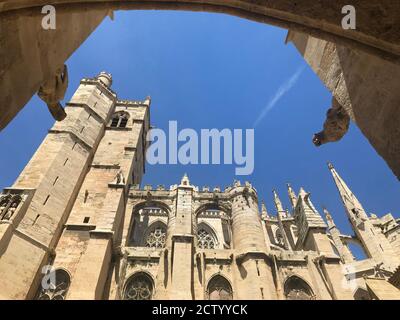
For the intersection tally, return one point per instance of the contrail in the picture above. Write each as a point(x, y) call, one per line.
point(279, 94)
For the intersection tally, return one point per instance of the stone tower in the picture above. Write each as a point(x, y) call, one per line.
point(73, 193)
point(77, 225)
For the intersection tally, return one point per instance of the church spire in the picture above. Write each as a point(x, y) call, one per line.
point(342, 249)
point(264, 211)
point(354, 209)
point(278, 203)
point(292, 195)
point(375, 243)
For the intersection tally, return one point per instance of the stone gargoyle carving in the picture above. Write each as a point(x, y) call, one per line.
point(52, 91)
point(335, 127)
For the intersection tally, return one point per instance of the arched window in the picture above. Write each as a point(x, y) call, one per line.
point(56, 287)
point(205, 238)
point(119, 120)
point(297, 289)
point(219, 289)
point(139, 287)
point(156, 236)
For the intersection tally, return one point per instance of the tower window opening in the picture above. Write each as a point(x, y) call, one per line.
point(45, 201)
point(119, 120)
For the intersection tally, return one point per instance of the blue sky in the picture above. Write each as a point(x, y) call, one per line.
point(217, 71)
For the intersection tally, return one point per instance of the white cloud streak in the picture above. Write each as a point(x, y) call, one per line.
point(283, 89)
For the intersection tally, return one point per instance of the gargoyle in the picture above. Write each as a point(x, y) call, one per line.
point(52, 91)
point(335, 127)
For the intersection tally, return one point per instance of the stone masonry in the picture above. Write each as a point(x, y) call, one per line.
point(77, 210)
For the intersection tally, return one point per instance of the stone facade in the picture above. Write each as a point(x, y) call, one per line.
point(78, 207)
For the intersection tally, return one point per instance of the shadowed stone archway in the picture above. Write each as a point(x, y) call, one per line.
point(30, 50)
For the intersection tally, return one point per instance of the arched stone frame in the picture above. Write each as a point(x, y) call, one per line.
point(59, 290)
point(119, 119)
point(211, 232)
point(301, 284)
point(130, 280)
point(227, 238)
point(142, 205)
point(153, 226)
point(216, 277)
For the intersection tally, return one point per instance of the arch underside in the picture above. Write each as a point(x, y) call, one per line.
point(377, 32)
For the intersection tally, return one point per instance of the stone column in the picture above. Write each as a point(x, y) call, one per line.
point(182, 244)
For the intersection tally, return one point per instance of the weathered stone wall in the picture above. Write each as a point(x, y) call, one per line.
point(55, 172)
point(29, 55)
point(365, 85)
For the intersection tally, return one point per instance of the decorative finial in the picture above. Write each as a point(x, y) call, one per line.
point(278, 203)
point(264, 211)
point(292, 195)
point(185, 180)
point(147, 100)
point(330, 165)
point(329, 218)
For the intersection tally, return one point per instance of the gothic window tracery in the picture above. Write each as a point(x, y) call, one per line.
point(156, 237)
point(219, 289)
point(298, 289)
point(204, 239)
point(57, 290)
point(119, 120)
point(139, 287)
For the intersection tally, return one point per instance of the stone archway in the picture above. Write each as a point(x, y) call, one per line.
point(41, 53)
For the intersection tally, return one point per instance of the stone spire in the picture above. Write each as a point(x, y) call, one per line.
point(329, 219)
point(185, 180)
point(292, 195)
point(375, 243)
point(354, 209)
point(345, 254)
point(264, 211)
point(278, 203)
point(281, 213)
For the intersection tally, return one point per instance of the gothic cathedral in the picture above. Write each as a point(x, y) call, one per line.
point(78, 211)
